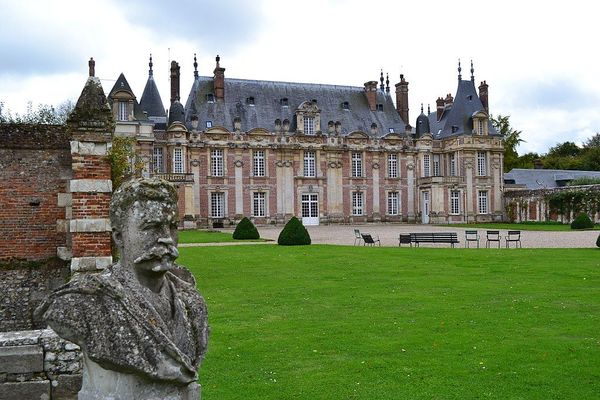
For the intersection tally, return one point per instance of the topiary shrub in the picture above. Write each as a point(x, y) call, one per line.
point(582, 221)
point(293, 234)
point(598, 241)
point(245, 229)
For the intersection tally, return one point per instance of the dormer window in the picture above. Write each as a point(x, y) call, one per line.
point(209, 124)
point(391, 130)
point(454, 128)
point(284, 102)
point(210, 98)
point(123, 115)
point(480, 127)
point(345, 105)
point(379, 107)
point(480, 123)
point(309, 125)
point(314, 101)
point(250, 101)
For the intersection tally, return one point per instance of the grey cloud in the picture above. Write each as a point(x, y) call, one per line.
point(556, 94)
point(219, 25)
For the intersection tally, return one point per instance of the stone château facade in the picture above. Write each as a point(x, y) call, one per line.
point(326, 153)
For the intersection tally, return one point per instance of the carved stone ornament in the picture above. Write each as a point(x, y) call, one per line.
point(231, 145)
point(375, 165)
point(410, 166)
point(334, 164)
point(195, 162)
point(469, 164)
point(496, 165)
point(238, 163)
point(141, 324)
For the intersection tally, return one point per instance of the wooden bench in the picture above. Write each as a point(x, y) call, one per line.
point(431, 237)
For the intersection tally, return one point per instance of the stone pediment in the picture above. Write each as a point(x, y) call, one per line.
point(218, 130)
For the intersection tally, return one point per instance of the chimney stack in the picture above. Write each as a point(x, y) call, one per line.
point(219, 81)
point(440, 107)
point(371, 93)
point(448, 100)
point(402, 99)
point(174, 81)
point(483, 96)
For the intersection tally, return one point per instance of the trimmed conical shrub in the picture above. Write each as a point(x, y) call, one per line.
point(293, 234)
point(598, 241)
point(582, 221)
point(245, 229)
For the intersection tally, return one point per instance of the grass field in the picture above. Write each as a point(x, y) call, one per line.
point(523, 226)
point(342, 322)
point(195, 236)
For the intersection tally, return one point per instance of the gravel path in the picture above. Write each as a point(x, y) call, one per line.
point(388, 234)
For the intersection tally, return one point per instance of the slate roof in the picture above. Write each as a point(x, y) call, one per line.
point(458, 115)
point(152, 103)
point(268, 105)
point(545, 178)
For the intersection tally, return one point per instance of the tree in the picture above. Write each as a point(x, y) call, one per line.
point(593, 142)
point(43, 114)
point(512, 138)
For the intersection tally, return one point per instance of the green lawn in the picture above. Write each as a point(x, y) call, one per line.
point(194, 236)
point(342, 322)
point(523, 226)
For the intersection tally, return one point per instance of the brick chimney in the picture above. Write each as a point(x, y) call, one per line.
point(219, 81)
point(483, 96)
point(448, 100)
point(440, 107)
point(402, 99)
point(371, 93)
point(174, 81)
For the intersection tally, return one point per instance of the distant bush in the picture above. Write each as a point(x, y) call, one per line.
point(584, 181)
point(245, 229)
point(293, 234)
point(582, 221)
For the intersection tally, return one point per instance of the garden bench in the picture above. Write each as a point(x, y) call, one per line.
point(404, 238)
point(437, 237)
point(368, 239)
point(513, 237)
point(492, 236)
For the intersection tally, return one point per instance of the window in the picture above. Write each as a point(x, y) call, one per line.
point(426, 165)
point(284, 102)
point(250, 100)
point(357, 167)
point(209, 124)
point(178, 160)
point(345, 105)
point(480, 126)
point(481, 163)
point(309, 164)
point(216, 162)
point(157, 160)
point(379, 107)
point(452, 164)
point(123, 114)
point(391, 130)
point(259, 202)
point(455, 202)
point(309, 125)
point(258, 163)
point(393, 165)
point(436, 165)
point(217, 204)
point(392, 201)
point(482, 201)
point(210, 98)
point(357, 203)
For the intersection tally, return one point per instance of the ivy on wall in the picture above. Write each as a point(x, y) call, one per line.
point(123, 160)
point(575, 201)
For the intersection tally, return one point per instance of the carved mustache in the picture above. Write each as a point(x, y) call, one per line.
point(158, 252)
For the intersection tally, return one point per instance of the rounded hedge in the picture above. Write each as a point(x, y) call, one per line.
point(598, 241)
point(293, 234)
point(582, 221)
point(245, 229)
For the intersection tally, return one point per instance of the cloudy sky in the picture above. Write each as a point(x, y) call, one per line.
point(540, 60)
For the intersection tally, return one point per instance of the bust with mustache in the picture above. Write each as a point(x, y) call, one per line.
point(141, 324)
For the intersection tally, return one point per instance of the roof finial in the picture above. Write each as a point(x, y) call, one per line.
point(428, 109)
point(387, 82)
point(92, 66)
point(150, 65)
point(459, 70)
point(472, 72)
point(381, 80)
point(195, 66)
point(421, 108)
point(218, 59)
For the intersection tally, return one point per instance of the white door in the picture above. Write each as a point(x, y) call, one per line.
point(310, 209)
point(425, 208)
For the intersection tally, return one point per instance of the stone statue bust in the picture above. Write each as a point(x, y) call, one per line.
point(141, 324)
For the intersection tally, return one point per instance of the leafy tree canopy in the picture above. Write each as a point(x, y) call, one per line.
point(42, 114)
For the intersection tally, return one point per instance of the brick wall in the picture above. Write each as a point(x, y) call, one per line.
point(35, 165)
